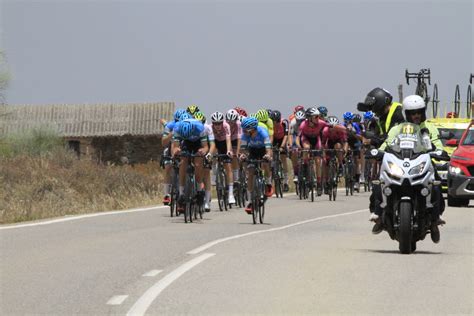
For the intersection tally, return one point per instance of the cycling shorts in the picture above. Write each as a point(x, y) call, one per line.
point(191, 147)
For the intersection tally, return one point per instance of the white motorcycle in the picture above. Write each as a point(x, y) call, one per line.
point(407, 177)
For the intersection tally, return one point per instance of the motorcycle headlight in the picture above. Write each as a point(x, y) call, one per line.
point(395, 170)
point(417, 169)
point(455, 170)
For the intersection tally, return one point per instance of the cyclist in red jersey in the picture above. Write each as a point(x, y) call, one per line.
point(280, 138)
point(335, 137)
point(296, 109)
point(309, 137)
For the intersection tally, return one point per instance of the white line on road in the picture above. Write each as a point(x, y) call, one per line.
point(140, 307)
point(117, 300)
point(218, 241)
point(73, 218)
point(152, 273)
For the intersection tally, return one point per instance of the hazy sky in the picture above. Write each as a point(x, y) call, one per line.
point(219, 54)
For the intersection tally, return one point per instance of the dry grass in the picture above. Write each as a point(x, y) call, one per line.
point(55, 183)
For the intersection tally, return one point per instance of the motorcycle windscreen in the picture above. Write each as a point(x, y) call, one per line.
point(410, 142)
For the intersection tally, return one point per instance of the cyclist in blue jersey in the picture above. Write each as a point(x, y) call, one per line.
point(256, 142)
point(354, 139)
point(166, 144)
point(190, 136)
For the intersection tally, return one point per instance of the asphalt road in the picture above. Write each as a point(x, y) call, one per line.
point(309, 258)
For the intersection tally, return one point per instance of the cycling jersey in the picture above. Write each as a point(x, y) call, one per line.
point(168, 128)
point(269, 125)
point(260, 140)
point(280, 129)
point(209, 133)
point(334, 135)
point(312, 132)
point(221, 131)
point(235, 130)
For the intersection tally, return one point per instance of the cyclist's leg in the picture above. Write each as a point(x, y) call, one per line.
point(207, 187)
point(235, 162)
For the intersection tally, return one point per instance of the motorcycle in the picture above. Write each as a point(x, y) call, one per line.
point(406, 180)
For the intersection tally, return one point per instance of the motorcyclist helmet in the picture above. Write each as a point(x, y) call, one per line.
point(413, 104)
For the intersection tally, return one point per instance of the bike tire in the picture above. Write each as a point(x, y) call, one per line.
point(261, 213)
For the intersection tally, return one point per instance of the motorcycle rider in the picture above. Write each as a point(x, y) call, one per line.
point(414, 111)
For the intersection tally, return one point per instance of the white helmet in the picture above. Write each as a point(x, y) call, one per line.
point(333, 121)
point(217, 117)
point(232, 115)
point(300, 115)
point(414, 103)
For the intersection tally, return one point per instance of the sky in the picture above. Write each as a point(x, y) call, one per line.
point(221, 54)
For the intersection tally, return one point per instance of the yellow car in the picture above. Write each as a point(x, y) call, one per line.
point(456, 126)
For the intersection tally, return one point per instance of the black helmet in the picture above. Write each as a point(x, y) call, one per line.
point(376, 101)
point(275, 116)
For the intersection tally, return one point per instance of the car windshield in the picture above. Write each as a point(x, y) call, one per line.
point(456, 131)
point(469, 139)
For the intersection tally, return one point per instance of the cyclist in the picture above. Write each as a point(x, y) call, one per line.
point(354, 138)
point(208, 161)
point(192, 109)
point(292, 136)
point(264, 118)
point(189, 136)
point(335, 137)
point(256, 141)
point(324, 112)
point(221, 130)
point(232, 118)
point(296, 109)
point(280, 137)
point(309, 137)
point(357, 121)
point(414, 109)
point(166, 144)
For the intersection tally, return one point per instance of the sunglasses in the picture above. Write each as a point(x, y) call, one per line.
point(414, 112)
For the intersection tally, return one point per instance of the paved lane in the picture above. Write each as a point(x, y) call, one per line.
point(333, 265)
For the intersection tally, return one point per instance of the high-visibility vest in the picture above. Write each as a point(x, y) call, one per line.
point(388, 121)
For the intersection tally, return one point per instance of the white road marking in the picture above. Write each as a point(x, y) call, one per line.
point(117, 300)
point(152, 273)
point(218, 241)
point(73, 218)
point(140, 307)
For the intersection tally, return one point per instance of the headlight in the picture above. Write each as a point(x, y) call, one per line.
point(417, 170)
point(455, 170)
point(395, 170)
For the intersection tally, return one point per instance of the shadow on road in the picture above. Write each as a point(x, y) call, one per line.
point(421, 252)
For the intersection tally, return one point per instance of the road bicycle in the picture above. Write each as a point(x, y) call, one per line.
point(349, 173)
point(277, 172)
point(221, 182)
point(421, 86)
point(333, 173)
point(258, 197)
point(193, 199)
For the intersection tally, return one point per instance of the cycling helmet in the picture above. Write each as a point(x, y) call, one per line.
point(298, 108)
point(177, 114)
point(276, 116)
point(377, 100)
point(312, 112)
point(185, 116)
point(186, 129)
point(332, 120)
point(368, 115)
point(300, 115)
point(200, 117)
point(323, 110)
point(262, 115)
point(249, 123)
point(348, 116)
point(232, 115)
point(193, 108)
point(414, 103)
point(451, 115)
point(217, 117)
point(241, 111)
point(357, 118)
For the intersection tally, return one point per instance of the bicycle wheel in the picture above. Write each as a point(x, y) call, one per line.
point(312, 183)
point(255, 200)
point(220, 189)
point(261, 212)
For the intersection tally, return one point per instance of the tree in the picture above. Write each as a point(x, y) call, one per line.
point(4, 77)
